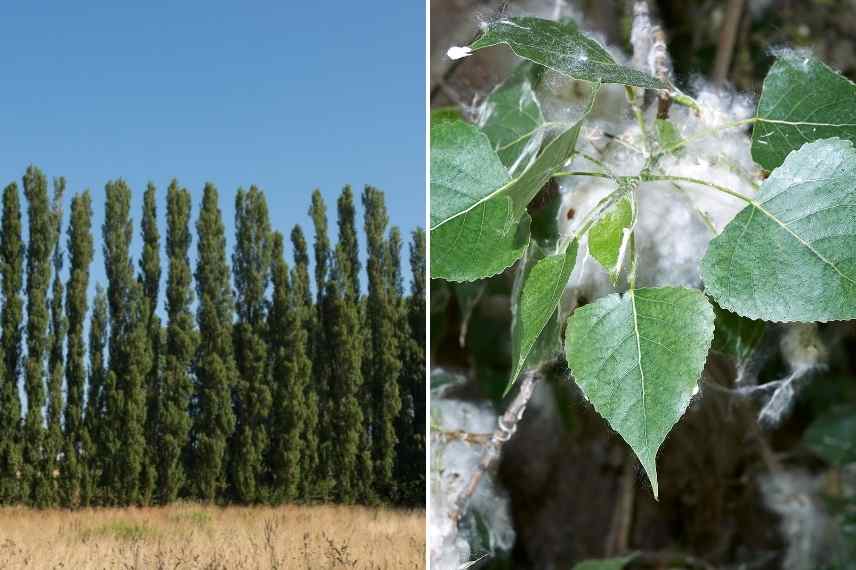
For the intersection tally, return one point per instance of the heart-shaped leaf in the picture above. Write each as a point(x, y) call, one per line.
point(561, 47)
point(790, 255)
point(637, 358)
point(802, 100)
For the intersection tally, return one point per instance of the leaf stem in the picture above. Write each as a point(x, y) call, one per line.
point(584, 173)
point(704, 134)
point(723, 189)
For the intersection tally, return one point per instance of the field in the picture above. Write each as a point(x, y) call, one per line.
point(189, 536)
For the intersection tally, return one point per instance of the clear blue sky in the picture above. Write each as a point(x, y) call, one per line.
point(290, 96)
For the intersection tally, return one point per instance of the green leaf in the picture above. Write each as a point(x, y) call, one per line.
point(667, 133)
point(441, 114)
point(833, 436)
point(735, 335)
point(537, 302)
point(489, 237)
point(637, 358)
point(561, 47)
point(609, 234)
point(511, 119)
point(465, 169)
point(802, 100)
point(605, 563)
point(789, 255)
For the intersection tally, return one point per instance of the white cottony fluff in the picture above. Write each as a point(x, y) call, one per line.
point(457, 52)
point(453, 461)
point(794, 495)
point(676, 220)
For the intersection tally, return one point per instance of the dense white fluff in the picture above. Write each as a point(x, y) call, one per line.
point(676, 220)
point(453, 461)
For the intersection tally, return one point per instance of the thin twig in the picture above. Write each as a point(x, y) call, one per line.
point(618, 539)
point(506, 426)
point(727, 38)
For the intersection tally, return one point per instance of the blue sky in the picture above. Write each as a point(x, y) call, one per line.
point(289, 96)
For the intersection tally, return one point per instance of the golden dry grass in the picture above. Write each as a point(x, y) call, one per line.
point(189, 536)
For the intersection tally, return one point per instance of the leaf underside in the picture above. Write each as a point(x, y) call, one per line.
point(637, 358)
point(790, 255)
point(511, 118)
point(539, 297)
point(561, 46)
point(802, 100)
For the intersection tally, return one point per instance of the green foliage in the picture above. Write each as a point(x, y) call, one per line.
point(216, 375)
point(12, 259)
point(95, 442)
point(833, 436)
point(56, 334)
point(735, 335)
point(637, 358)
point(608, 237)
point(174, 420)
point(492, 232)
point(251, 263)
point(542, 288)
point(130, 354)
point(41, 227)
point(287, 344)
point(798, 233)
point(561, 46)
point(386, 364)
point(80, 251)
point(803, 100)
point(149, 278)
point(511, 120)
point(302, 359)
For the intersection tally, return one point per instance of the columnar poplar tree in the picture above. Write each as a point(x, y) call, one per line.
point(414, 365)
point(12, 259)
point(80, 251)
point(149, 278)
point(54, 439)
point(323, 353)
point(386, 365)
point(287, 340)
point(41, 227)
point(95, 442)
point(214, 419)
point(129, 352)
point(305, 321)
point(347, 376)
point(177, 385)
point(405, 421)
point(251, 267)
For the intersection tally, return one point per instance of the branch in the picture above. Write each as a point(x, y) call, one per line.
point(506, 425)
point(727, 38)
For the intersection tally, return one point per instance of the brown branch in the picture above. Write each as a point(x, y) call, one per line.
point(618, 539)
point(506, 426)
point(727, 38)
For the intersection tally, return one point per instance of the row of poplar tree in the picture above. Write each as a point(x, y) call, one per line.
point(256, 388)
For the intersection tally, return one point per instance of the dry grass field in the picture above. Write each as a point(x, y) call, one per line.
point(190, 536)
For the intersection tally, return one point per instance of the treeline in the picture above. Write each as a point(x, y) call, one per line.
point(255, 388)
